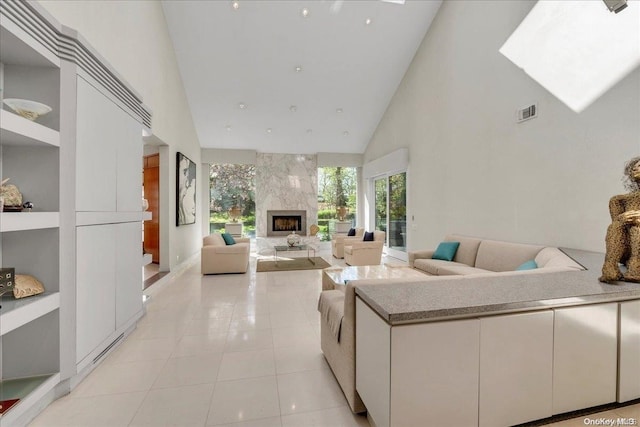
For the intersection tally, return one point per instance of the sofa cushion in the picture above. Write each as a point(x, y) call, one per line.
point(214, 239)
point(554, 257)
point(527, 265)
point(446, 251)
point(495, 255)
point(433, 266)
point(468, 249)
point(228, 239)
point(331, 308)
point(458, 269)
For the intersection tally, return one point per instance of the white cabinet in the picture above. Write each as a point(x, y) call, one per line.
point(80, 165)
point(585, 356)
point(128, 272)
point(516, 368)
point(629, 358)
point(431, 375)
point(109, 284)
point(95, 287)
point(109, 153)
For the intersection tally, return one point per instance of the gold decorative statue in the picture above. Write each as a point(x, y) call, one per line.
point(623, 235)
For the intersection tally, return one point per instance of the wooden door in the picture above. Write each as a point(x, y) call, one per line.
point(152, 194)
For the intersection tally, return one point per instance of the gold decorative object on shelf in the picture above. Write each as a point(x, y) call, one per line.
point(11, 196)
point(27, 286)
point(28, 109)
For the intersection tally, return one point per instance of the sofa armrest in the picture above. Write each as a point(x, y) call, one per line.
point(419, 255)
point(242, 239)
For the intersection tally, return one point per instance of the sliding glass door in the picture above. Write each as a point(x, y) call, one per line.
point(390, 205)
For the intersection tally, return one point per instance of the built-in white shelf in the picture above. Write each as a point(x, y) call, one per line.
point(29, 390)
point(18, 312)
point(147, 216)
point(19, 221)
point(16, 130)
point(146, 259)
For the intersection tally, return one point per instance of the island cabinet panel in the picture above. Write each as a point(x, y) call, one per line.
point(516, 368)
point(585, 356)
point(373, 363)
point(629, 368)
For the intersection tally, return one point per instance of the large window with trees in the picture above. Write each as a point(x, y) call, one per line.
point(337, 187)
point(232, 196)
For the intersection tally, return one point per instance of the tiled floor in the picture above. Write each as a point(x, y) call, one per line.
point(234, 350)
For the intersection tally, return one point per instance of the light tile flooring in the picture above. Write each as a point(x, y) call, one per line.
point(232, 350)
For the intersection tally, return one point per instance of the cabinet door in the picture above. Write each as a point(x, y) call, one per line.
point(435, 373)
point(109, 154)
point(96, 142)
point(516, 368)
point(629, 372)
point(95, 286)
point(585, 357)
point(128, 272)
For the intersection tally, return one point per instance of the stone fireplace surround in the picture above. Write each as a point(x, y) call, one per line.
point(289, 219)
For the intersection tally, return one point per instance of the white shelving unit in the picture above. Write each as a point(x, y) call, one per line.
point(80, 167)
point(29, 241)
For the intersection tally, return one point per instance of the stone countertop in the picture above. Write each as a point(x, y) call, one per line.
point(444, 299)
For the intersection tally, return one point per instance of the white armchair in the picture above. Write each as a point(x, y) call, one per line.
point(365, 253)
point(338, 242)
point(217, 257)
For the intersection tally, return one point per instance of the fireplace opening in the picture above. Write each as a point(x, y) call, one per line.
point(284, 222)
point(287, 223)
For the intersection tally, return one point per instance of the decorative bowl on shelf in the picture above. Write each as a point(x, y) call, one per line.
point(28, 109)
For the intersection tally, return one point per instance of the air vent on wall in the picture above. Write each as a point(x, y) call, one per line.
point(528, 112)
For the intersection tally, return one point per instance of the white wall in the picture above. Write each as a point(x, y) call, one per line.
point(132, 36)
point(473, 169)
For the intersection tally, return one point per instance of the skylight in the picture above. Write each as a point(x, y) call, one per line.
point(577, 50)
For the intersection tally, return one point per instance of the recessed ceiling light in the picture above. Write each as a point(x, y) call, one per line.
point(309, 131)
point(228, 128)
point(269, 130)
point(293, 108)
point(298, 69)
point(367, 21)
point(345, 133)
point(338, 110)
point(242, 105)
point(235, 5)
point(305, 12)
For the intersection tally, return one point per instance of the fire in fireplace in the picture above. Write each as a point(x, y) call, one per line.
point(287, 223)
point(282, 223)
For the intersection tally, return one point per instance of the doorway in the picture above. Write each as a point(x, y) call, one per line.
point(151, 187)
point(390, 212)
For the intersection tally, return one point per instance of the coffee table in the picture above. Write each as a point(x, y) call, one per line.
point(286, 248)
point(336, 277)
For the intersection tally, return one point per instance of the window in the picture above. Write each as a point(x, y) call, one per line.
point(337, 187)
point(232, 186)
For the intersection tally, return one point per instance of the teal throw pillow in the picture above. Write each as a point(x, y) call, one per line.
point(228, 239)
point(528, 265)
point(446, 251)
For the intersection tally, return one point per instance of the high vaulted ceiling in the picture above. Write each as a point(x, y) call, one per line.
point(261, 75)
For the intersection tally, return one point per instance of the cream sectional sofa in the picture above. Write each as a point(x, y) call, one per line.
point(475, 258)
point(480, 256)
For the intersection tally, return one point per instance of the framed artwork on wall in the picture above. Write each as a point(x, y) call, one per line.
point(185, 190)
